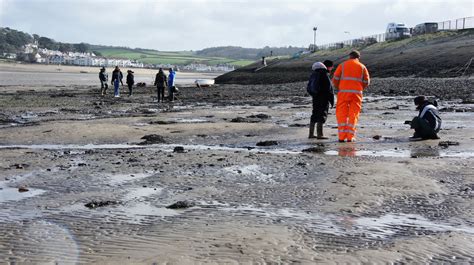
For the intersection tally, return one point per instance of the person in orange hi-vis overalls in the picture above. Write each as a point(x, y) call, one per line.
point(350, 79)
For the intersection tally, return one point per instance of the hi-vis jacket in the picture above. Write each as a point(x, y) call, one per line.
point(351, 77)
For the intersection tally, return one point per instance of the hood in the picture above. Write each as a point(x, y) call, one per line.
point(318, 65)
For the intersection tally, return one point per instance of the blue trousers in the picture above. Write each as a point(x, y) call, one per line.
point(116, 88)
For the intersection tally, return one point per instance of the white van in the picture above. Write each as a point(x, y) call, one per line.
point(397, 31)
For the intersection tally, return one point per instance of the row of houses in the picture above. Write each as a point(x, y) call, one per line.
point(46, 56)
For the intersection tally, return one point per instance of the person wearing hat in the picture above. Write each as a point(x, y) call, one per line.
point(103, 77)
point(117, 77)
point(321, 90)
point(350, 79)
point(130, 82)
point(428, 122)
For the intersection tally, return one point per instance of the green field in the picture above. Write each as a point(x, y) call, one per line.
point(159, 57)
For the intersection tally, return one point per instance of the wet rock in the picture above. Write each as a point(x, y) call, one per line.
point(152, 139)
point(20, 166)
point(446, 144)
point(245, 120)
point(81, 164)
point(267, 143)
point(388, 113)
point(259, 116)
point(377, 137)
point(162, 122)
point(297, 125)
point(148, 111)
point(315, 149)
point(23, 189)
point(97, 204)
point(181, 205)
point(178, 149)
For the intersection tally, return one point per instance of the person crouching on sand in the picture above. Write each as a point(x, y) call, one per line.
point(117, 77)
point(428, 122)
point(321, 90)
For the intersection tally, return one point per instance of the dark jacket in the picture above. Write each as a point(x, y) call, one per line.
point(161, 79)
point(103, 76)
point(324, 95)
point(117, 75)
point(130, 80)
point(430, 113)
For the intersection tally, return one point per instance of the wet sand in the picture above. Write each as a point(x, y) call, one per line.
point(299, 201)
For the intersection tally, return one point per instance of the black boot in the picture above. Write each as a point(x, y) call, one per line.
point(319, 131)
point(311, 130)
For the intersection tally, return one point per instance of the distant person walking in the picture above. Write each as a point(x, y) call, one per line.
point(171, 85)
point(351, 78)
point(117, 77)
point(322, 92)
point(130, 82)
point(104, 78)
point(428, 122)
point(160, 83)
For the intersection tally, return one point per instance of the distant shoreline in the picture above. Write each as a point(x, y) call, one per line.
point(52, 68)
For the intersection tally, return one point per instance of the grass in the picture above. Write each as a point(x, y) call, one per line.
point(163, 57)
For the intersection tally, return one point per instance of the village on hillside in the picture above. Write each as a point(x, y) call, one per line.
point(46, 56)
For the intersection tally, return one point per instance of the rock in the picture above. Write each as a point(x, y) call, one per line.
point(96, 204)
point(247, 120)
point(23, 189)
point(181, 205)
point(267, 143)
point(162, 122)
point(315, 149)
point(178, 149)
point(152, 139)
point(298, 125)
point(259, 116)
point(447, 143)
point(377, 137)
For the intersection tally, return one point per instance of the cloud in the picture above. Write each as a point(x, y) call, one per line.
point(197, 24)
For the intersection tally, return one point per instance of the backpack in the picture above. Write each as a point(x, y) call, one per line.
point(313, 84)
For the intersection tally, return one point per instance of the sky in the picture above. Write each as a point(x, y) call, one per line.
point(175, 25)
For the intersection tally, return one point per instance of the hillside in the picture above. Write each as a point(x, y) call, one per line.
point(442, 54)
point(162, 57)
point(248, 53)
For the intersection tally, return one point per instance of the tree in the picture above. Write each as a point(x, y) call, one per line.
point(47, 43)
point(65, 47)
point(81, 47)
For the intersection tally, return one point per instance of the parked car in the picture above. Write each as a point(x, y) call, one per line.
point(425, 28)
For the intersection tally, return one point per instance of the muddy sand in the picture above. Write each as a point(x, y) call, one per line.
point(244, 182)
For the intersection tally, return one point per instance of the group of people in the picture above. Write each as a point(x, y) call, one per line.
point(161, 82)
point(350, 79)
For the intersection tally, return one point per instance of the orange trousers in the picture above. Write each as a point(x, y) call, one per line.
point(348, 108)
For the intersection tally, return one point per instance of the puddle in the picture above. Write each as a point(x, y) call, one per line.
point(373, 227)
point(120, 179)
point(72, 146)
point(12, 194)
point(139, 212)
point(141, 193)
point(179, 120)
point(250, 170)
point(399, 153)
point(8, 193)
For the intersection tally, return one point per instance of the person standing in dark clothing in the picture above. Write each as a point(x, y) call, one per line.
point(160, 83)
point(117, 77)
point(321, 90)
point(428, 122)
point(130, 82)
point(103, 76)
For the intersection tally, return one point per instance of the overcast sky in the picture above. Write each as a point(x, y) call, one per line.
point(172, 25)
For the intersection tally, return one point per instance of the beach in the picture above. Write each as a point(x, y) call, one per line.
point(227, 175)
